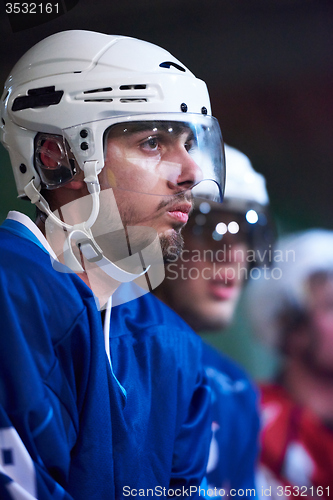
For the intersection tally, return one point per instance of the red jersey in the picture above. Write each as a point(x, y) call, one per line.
point(297, 448)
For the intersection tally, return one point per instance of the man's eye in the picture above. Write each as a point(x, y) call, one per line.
point(189, 145)
point(151, 144)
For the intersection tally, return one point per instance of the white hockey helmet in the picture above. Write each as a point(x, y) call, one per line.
point(244, 186)
point(77, 84)
point(245, 195)
point(284, 287)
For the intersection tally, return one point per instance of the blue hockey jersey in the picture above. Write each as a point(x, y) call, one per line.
point(157, 358)
point(235, 442)
point(54, 377)
point(70, 426)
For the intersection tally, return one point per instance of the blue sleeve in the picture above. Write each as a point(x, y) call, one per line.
point(235, 443)
point(36, 422)
point(192, 442)
point(21, 477)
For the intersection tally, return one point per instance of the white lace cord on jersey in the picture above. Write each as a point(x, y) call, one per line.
point(106, 330)
point(87, 244)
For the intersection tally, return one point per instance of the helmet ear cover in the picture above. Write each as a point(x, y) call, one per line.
point(54, 160)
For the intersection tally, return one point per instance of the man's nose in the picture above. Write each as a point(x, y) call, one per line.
point(189, 172)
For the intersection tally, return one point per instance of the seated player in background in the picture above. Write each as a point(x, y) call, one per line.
point(292, 312)
point(203, 285)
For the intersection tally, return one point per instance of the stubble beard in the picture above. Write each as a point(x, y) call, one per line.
point(171, 244)
point(171, 241)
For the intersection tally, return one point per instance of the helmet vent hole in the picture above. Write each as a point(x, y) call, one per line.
point(3, 121)
point(133, 87)
point(38, 98)
point(133, 99)
point(168, 64)
point(98, 100)
point(107, 89)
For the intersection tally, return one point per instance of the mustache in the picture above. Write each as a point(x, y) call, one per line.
point(170, 201)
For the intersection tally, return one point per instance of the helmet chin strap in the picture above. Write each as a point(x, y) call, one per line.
point(81, 233)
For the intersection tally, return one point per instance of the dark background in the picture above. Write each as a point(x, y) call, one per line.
point(268, 65)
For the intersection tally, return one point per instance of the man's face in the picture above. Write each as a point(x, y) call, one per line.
point(204, 283)
point(150, 168)
point(318, 331)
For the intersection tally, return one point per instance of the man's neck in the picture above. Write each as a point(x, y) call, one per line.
point(40, 223)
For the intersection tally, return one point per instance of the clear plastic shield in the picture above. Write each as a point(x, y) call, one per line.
point(151, 168)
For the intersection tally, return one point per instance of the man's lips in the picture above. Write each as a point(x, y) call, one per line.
point(180, 212)
point(223, 287)
point(221, 291)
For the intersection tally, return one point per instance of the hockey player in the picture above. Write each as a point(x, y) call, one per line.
point(107, 136)
point(203, 285)
point(291, 312)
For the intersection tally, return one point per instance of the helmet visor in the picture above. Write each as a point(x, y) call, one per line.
point(156, 154)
